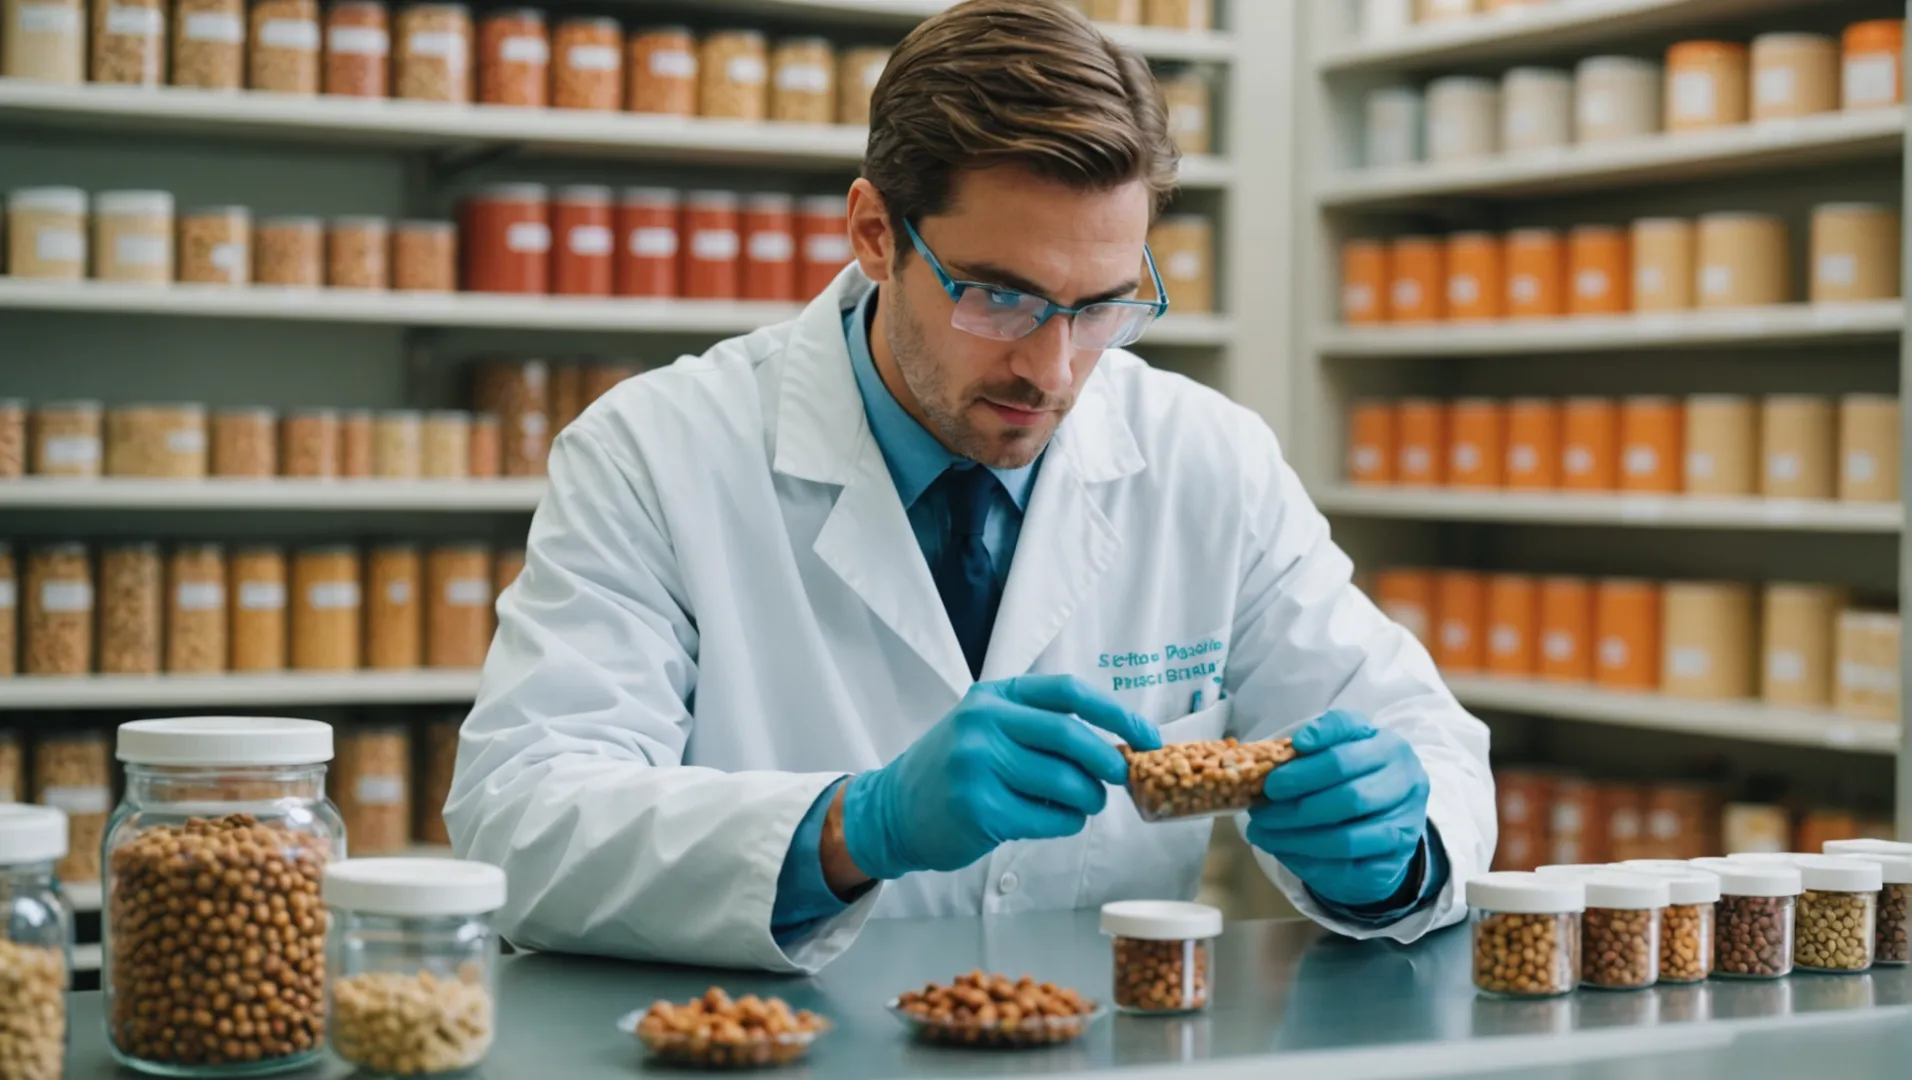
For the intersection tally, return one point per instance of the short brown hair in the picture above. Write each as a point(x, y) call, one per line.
point(1030, 83)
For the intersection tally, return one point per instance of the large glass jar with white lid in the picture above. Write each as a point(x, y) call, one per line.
point(214, 927)
point(36, 942)
point(412, 954)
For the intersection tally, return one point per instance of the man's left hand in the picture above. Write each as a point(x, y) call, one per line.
point(1348, 814)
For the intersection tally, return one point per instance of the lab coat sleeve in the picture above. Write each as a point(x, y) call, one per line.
point(1306, 641)
point(570, 768)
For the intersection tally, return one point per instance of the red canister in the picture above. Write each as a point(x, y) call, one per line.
point(582, 241)
point(713, 242)
point(823, 244)
point(770, 248)
point(647, 242)
point(507, 239)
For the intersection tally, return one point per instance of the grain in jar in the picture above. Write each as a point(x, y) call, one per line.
point(646, 230)
point(398, 438)
point(507, 239)
point(803, 81)
point(1797, 643)
point(1873, 74)
point(1687, 927)
point(1868, 679)
point(1855, 253)
point(1892, 945)
point(133, 237)
point(325, 608)
point(1722, 445)
point(458, 611)
point(282, 55)
point(733, 76)
point(661, 65)
point(1184, 250)
point(424, 256)
point(57, 612)
point(447, 445)
point(209, 44)
point(823, 243)
point(712, 246)
point(588, 72)
point(370, 780)
point(1536, 110)
point(519, 394)
point(44, 40)
point(72, 773)
point(440, 764)
point(1742, 261)
point(1620, 930)
point(355, 444)
point(66, 439)
point(514, 58)
point(13, 438)
point(1798, 447)
point(215, 246)
point(1869, 448)
point(1838, 912)
point(1706, 85)
point(358, 47)
point(487, 453)
point(1663, 256)
point(289, 251)
point(433, 60)
point(157, 442)
point(1794, 75)
point(132, 609)
point(245, 443)
point(355, 253)
point(129, 42)
point(256, 591)
point(1189, 99)
point(1162, 953)
point(770, 248)
point(1525, 933)
point(309, 443)
point(1371, 451)
point(196, 615)
point(583, 241)
point(1463, 119)
point(46, 230)
point(1706, 633)
point(394, 598)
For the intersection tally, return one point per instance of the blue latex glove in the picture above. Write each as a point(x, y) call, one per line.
point(1348, 813)
point(1008, 763)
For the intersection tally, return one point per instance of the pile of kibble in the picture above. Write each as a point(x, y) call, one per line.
point(1196, 779)
point(716, 1032)
point(979, 1009)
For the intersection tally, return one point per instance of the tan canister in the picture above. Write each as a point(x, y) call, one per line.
point(1722, 445)
point(1742, 261)
point(1707, 632)
point(1616, 97)
point(1463, 118)
point(1869, 448)
point(394, 608)
point(1798, 447)
point(1536, 109)
point(1855, 253)
point(1796, 643)
point(1867, 684)
point(1794, 75)
point(1706, 85)
point(1184, 249)
point(1662, 264)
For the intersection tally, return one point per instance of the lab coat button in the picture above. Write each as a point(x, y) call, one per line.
point(1008, 882)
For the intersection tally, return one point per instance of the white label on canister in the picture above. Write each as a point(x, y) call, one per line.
point(1524, 288)
point(1841, 269)
point(532, 424)
point(1557, 645)
point(745, 70)
point(66, 597)
point(1866, 678)
point(655, 242)
point(1871, 80)
point(59, 245)
point(1366, 459)
point(1650, 279)
point(1641, 460)
point(200, 596)
point(442, 44)
point(468, 592)
point(873, 72)
point(1774, 86)
point(78, 800)
point(523, 49)
point(188, 441)
point(49, 19)
point(1861, 467)
point(1358, 298)
point(1613, 652)
point(301, 35)
point(829, 248)
point(359, 40)
point(589, 240)
point(714, 244)
point(1783, 466)
point(135, 21)
point(1785, 665)
point(381, 790)
point(1513, 806)
point(1578, 461)
point(1415, 459)
point(1591, 283)
point(1566, 818)
point(803, 79)
point(1596, 109)
point(333, 595)
point(1699, 465)
point(1716, 280)
point(215, 26)
point(591, 57)
point(1694, 97)
point(528, 237)
point(1185, 266)
point(1503, 640)
point(70, 450)
point(1466, 457)
point(1454, 634)
point(1689, 662)
point(398, 592)
point(1407, 293)
point(136, 250)
point(1463, 289)
point(261, 596)
point(228, 257)
point(1663, 825)
point(673, 64)
point(1624, 823)
point(772, 247)
point(1188, 120)
point(1523, 459)
point(6, 594)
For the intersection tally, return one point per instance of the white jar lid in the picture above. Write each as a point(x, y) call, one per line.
point(419, 888)
point(1627, 891)
point(1868, 847)
point(1752, 878)
point(1776, 858)
point(31, 834)
point(1834, 873)
point(134, 202)
point(1161, 920)
point(1582, 869)
point(1537, 75)
point(1685, 884)
point(225, 740)
point(59, 200)
point(1897, 869)
point(1514, 892)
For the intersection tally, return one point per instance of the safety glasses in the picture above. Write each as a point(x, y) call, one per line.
point(1000, 314)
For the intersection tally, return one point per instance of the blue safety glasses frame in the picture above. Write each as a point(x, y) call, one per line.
point(1004, 314)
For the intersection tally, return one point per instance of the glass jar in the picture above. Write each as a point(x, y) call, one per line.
point(209, 44)
point(356, 249)
point(129, 42)
point(646, 263)
point(133, 237)
point(803, 81)
point(246, 795)
point(289, 251)
point(514, 58)
point(245, 443)
point(196, 615)
point(713, 244)
point(371, 783)
point(1162, 954)
point(355, 444)
point(394, 620)
point(1232, 775)
point(661, 67)
point(857, 75)
point(1838, 913)
point(66, 439)
point(157, 442)
point(1526, 933)
point(1686, 929)
point(589, 68)
point(581, 260)
point(72, 773)
point(44, 40)
point(1620, 931)
point(425, 256)
point(1754, 919)
point(507, 234)
point(458, 615)
point(9, 656)
point(131, 609)
point(46, 230)
point(325, 608)
point(447, 445)
point(733, 76)
point(1894, 923)
point(413, 953)
point(283, 57)
point(57, 622)
point(434, 53)
point(519, 394)
point(36, 942)
point(215, 246)
point(358, 44)
point(257, 593)
point(487, 451)
point(309, 443)
point(770, 248)
point(398, 437)
point(13, 438)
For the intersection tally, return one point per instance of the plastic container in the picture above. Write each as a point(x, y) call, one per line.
point(398, 444)
point(1371, 443)
point(1589, 444)
point(289, 251)
point(447, 450)
point(1599, 264)
point(1616, 98)
point(36, 940)
point(425, 256)
point(357, 253)
point(1651, 457)
point(215, 246)
point(1475, 271)
point(712, 246)
point(412, 953)
point(1536, 274)
point(257, 595)
point(1227, 777)
point(1566, 629)
point(1798, 447)
point(355, 444)
point(1838, 913)
point(1893, 943)
point(394, 599)
point(733, 76)
point(1460, 636)
point(246, 794)
point(1476, 430)
point(1855, 253)
point(44, 40)
point(519, 395)
point(1417, 285)
point(309, 443)
point(1365, 277)
point(1407, 597)
point(46, 230)
point(1873, 74)
point(67, 440)
point(1620, 932)
point(770, 248)
point(1663, 255)
point(1536, 110)
point(507, 239)
point(1707, 85)
point(133, 237)
point(1162, 954)
point(283, 47)
point(803, 81)
point(1189, 99)
point(358, 47)
point(1707, 633)
point(1794, 75)
point(1742, 261)
point(433, 59)
point(1526, 933)
point(209, 44)
point(1798, 644)
point(587, 70)
point(1396, 127)
point(1687, 929)
point(1463, 119)
point(1722, 445)
point(1422, 443)
point(371, 783)
point(823, 244)
point(325, 609)
point(1866, 645)
point(129, 42)
point(1533, 444)
point(647, 246)
point(858, 72)
point(196, 614)
point(661, 64)
point(132, 609)
point(1626, 629)
point(1869, 448)
point(458, 612)
point(514, 59)
point(584, 244)
point(1513, 612)
point(157, 442)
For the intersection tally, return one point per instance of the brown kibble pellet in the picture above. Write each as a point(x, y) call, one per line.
point(717, 1032)
point(1198, 779)
point(1619, 947)
point(979, 1009)
point(32, 1011)
point(394, 1024)
point(1835, 931)
point(1161, 976)
point(1753, 936)
point(1527, 955)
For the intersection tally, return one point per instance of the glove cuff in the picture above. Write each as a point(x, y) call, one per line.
point(866, 835)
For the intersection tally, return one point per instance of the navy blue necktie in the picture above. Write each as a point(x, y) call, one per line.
point(964, 575)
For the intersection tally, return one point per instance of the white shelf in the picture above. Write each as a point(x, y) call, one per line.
point(412, 496)
point(1814, 140)
point(1631, 511)
point(278, 689)
point(1787, 324)
point(1745, 720)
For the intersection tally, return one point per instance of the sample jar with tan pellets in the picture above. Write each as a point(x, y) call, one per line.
point(1742, 261)
point(518, 394)
point(1706, 85)
point(9, 639)
point(1163, 954)
point(803, 81)
point(1526, 933)
point(857, 75)
point(209, 44)
point(1662, 265)
point(371, 783)
point(72, 773)
point(398, 444)
point(1722, 445)
point(394, 599)
point(355, 444)
point(309, 443)
point(44, 40)
point(1616, 98)
point(133, 237)
point(447, 450)
point(245, 444)
point(1686, 927)
point(661, 69)
point(733, 76)
point(67, 439)
point(356, 253)
point(256, 593)
point(1838, 913)
point(129, 42)
point(425, 256)
point(57, 615)
point(289, 251)
point(1794, 75)
point(587, 67)
point(1855, 253)
point(432, 53)
point(283, 53)
point(1869, 448)
point(46, 233)
point(1190, 101)
point(1796, 643)
point(36, 937)
point(157, 442)
point(1707, 637)
point(1463, 119)
point(1184, 250)
point(196, 616)
point(1536, 110)
point(1867, 685)
point(215, 246)
point(132, 609)
point(458, 613)
point(325, 608)
point(1798, 448)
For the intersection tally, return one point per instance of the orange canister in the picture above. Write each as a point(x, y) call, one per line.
point(823, 244)
point(1662, 264)
point(1474, 277)
point(1513, 615)
point(1722, 445)
point(770, 247)
point(1566, 629)
point(1364, 282)
point(1536, 274)
point(1600, 267)
point(506, 237)
point(1589, 444)
point(1421, 426)
point(1475, 457)
point(1874, 73)
point(1533, 444)
point(1417, 287)
point(1706, 85)
point(1371, 443)
point(1626, 621)
point(1407, 597)
point(647, 222)
point(1651, 457)
point(583, 243)
point(1460, 600)
point(711, 264)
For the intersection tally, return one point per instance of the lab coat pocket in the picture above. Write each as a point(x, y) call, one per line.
point(1209, 723)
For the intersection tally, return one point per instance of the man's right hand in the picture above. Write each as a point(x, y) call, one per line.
point(1010, 762)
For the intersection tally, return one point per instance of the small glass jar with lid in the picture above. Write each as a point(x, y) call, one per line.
point(309, 443)
point(1894, 937)
point(215, 246)
point(358, 41)
point(514, 58)
point(196, 610)
point(1686, 928)
point(447, 454)
point(44, 40)
point(246, 794)
point(1526, 933)
point(326, 604)
point(133, 237)
point(256, 592)
point(129, 42)
point(289, 251)
point(1620, 930)
point(803, 81)
point(459, 612)
point(283, 56)
point(245, 443)
point(209, 44)
point(425, 256)
point(1163, 961)
point(1754, 919)
point(398, 438)
point(587, 64)
point(56, 616)
point(357, 253)
point(1838, 913)
point(734, 76)
point(132, 609)
point(661, 69)
point(433, 53)
point(36, 940)
point(413, 954)
point(66, 439)
point(157, 441)
point(46, 233)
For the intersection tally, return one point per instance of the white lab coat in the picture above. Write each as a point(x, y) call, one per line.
point(724, 610)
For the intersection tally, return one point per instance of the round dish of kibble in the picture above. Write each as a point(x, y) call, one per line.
point(983, 1010)
point(719, 1032)
point(1202, 779)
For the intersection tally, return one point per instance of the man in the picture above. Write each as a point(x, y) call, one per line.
point(845, 617)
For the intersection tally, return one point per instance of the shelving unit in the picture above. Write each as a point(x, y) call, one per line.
point(315, 496)
point(1748, 328)
point(277, 690)
point(1627, 511)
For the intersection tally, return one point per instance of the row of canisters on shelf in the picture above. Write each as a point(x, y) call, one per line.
point(1376, 19)
point(205, 609)
point(1703, 85)
point(1653, 266)
point(1627, 926)
point(389, 961)
point(1785, 644)
point(1168, 14)
point(1779, 447)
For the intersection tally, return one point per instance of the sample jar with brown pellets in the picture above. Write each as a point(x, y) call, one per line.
point(1189, 99)
point(129, 42)
point(1893, 944)
point(435, 777)
point(1798, 447)
point(283, 49)
point(733, 76)
point(66, 439)
point(57, 611)
point(1866, 651)
point(9, 623)
point(133, 237)
point(458, 612)
point(289, 252)
point(196, 614)
point(587, 64)
point(1213, 778)
point(46, 233)
point(215, 246)
point(245, 443)
point(44, 41)
point(398, 437)
point(1706, 85)
point(1869, 448)
point(355, 444)
point(446, 454)
point(803, 81)
point(132, 609)
point(1797, 639)
point(157, 441)
point(1722, 445)
point(358, 46)
point(432, 53)
point(371, 780)
point(309, 443)
point(519, 394)
point(514, 58)
point(1855, 253)
point(71, 773)
point(1526, 933)
point(1162, 954)
point(1838, 913)
point(858, 72)
point(1663, 277)
point(1620, 930)
point(1794, 75)
point(257, 595)
point(1742, 261)
point(661, 69)
point(325, 609)
point(356, 250)
point(425, 256)
point(394, 599)
point(1707, 637)
point(13, 438)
